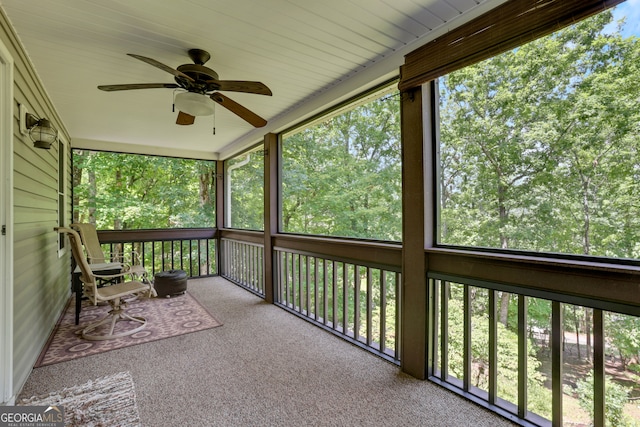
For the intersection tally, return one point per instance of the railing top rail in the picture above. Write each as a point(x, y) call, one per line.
point(541, 293)
point(244, 242)
point(346, 260)
point(118, 236)
point(388, 255)
point(613, 283)
point(243, 235)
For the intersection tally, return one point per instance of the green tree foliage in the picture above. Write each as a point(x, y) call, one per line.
point(538, 396)
point(342, 177)
point(624, 333)
point(128, 191)
point(539, 146)
point(615, 400)
point(245, 183)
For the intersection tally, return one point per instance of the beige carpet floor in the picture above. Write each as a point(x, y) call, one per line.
point(264, 367)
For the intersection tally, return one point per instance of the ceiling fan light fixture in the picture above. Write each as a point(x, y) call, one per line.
point(194, 104)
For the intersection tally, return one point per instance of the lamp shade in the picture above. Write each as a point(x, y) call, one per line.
point(194, 104)
point(43, 134)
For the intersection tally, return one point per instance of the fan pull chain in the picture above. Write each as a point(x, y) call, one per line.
point(214, 119)
point(173, 105)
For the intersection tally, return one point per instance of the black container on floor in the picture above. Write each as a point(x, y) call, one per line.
point(170, 282)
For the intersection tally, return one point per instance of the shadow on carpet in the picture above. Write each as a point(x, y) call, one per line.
point(106, 401)
point(166, 317)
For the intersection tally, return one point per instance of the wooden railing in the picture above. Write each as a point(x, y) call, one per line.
point(242, 263)
point(356, 300)
point(192, 250)
point(348, 287)
point(519, 334)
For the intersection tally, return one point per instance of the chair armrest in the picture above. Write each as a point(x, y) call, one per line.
point(110, 276)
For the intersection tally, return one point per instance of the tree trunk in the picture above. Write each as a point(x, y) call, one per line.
point(206, 179)
point(77, 181)
point(504, 308)
point(586, 244)
point(117, 220)
point(576, 323)
point(91, 195)
point(504, 244)
point(587, 328)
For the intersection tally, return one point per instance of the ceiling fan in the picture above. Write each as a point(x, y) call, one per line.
point(202, 89)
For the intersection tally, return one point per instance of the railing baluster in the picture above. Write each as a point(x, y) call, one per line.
point(254, 269)
point(283, 276)
point(325, 293)
point(300, 290)
point(142, 253)
point(295, 285)
point(434, 329)
point(246, 270)
point(467, 338)
point(345, 298)
point(153, 257)
point(212, 246)
point(334, 295)
point(444, 329)
point(523, 353)
point(222, 268)
point(598, 369)
point(383, 310)
point(308, 273)
point(356, 302)
point(315, 288)
point(397, 335)
point(556, 363)
point(493, 348)
point(173, 254)
point(235, 261)
point(369, 307)
point(245, 264)
point(286, 278)
point(261, 269)
point(190, 258)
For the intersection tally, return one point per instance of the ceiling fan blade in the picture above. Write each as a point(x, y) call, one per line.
point(241, 86)
point(111, 88)
point(239, 110)
point(160, 65)
point(185, 119)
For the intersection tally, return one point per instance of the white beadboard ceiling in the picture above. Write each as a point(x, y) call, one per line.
point(310, 53)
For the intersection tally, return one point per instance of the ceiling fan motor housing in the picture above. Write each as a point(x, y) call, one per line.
point(201, 75)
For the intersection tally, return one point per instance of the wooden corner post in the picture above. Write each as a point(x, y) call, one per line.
point(414, 281)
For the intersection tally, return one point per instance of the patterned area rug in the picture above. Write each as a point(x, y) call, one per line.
point(106, 401)
point(166, 317)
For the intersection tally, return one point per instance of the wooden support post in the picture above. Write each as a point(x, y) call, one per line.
point(414, 279)
point(270, 212)
point(220, 257)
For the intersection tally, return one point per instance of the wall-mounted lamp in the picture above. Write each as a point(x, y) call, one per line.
point(40, 131)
